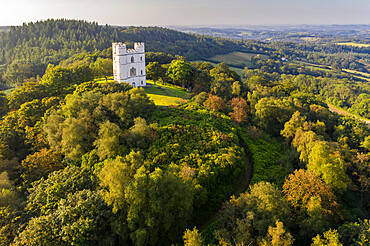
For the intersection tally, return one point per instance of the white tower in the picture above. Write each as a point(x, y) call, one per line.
point(129, 65)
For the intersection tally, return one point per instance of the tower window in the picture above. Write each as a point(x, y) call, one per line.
point(133, 71)
point(141, 72)
point(132, 59)
point(141, 58)
point(141, 82)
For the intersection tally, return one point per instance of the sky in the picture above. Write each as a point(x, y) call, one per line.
point(189, 12)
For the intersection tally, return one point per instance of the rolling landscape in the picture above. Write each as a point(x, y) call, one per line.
point(242, 135)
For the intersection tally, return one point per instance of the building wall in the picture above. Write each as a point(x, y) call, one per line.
point(124, 60)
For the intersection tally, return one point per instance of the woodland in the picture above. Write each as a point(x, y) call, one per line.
point(251, 159)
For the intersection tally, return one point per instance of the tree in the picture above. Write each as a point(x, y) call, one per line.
point(109, 140)
point(155, 71)
point(182, 72)
point(160, 206)
point(45, 194)
point(240, 110)
point(116, 175)
point(156, 205)
point(214, 103)
point(192, 238)
point(80, 219)
point(328, 165)
point(40, 164)
point(300, 186)
point(355, 233)
point(277, 236)
point(223, 71)
point(246, 218)
point(102, 67)
point(330, 238)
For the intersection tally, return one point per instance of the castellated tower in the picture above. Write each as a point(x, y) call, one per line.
point(129, 64)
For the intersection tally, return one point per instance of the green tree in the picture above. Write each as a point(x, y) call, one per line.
point(277, 236)
point(330, 238)
point(155, 71)
point(328, 165)
point(247, 218)
point(192, 238)
point(181, 72)
point(45, 194)
point(80, 219)
point(102, 67)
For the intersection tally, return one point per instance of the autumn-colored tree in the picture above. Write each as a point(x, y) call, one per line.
point(40, 164)
point(214, 103)
point(300, 186)
point(240, 110)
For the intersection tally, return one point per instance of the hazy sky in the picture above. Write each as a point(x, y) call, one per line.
point(189, 12)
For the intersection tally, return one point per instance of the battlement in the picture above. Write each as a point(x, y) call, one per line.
point(121, 48)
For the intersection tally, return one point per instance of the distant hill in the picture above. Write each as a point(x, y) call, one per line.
point(54, 40)
point(290, 33)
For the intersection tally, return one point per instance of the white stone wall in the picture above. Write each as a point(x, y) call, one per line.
point(129, 64)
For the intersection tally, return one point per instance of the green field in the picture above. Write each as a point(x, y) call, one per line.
point(166, 95)
point(354, 44)
point(236, 59)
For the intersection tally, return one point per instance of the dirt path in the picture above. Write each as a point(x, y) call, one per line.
point(342, 112)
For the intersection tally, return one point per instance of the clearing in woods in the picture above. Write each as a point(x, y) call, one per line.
point(166, 95)
point(354, 44)
point(237, 59)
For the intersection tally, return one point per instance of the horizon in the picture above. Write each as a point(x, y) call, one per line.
point(191, 12)
point(198, 25)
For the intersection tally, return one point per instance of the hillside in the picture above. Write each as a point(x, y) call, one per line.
point(54, 40)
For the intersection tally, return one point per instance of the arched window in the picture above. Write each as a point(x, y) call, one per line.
point(133, 84)
point(141, 58)
point(141, 72)
point(133, 71)
point(142, 82)
point(132, 59)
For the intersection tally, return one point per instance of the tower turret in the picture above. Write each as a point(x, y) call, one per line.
point(139, 47)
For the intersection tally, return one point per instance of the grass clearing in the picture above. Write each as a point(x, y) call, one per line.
point(102, 80)
point(166, 95)
point(354, 44)
point(237, 59)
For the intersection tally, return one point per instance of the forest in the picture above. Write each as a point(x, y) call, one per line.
point(257, 159)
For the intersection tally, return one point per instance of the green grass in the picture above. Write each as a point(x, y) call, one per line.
point(102, 80)
point(237, 58)
point(166, 95)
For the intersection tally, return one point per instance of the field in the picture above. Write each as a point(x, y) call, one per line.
point(166, 95)
point(354, 44)
point(236, 59)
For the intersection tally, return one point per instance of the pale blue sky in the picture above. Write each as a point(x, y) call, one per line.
point(189, 12)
